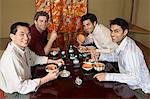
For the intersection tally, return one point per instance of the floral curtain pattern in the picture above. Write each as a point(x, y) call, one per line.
point(64, 14)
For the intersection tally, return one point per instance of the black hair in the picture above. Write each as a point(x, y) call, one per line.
point(121, 22)
point(41, 13)
point(13, 28)
point(90, 16)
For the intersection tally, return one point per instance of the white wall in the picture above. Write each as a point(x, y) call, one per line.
point(109, 9)
point(142, 14)
point(0, 18)
point(106, 10)
point(24, 10)
point(141, 18)
point(16, 10)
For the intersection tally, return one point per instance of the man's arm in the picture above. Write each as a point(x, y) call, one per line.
point(49, 44)
point(129, 67)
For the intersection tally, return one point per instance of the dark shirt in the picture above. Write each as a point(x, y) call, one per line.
point(38, 40)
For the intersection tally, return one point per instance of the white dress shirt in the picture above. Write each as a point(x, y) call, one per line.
point(101, 38)
point(15, 70)
point(132, 66)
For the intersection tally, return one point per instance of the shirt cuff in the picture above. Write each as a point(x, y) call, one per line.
point(38, 80)
point(108, 77)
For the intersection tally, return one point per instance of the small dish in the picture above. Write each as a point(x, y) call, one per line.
point(99, 66)
point(87, 66)
point(50, 67)
point(54, 53)
point(65, 73)
point(87, 69)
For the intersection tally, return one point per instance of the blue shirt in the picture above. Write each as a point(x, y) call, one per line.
point(132, 66)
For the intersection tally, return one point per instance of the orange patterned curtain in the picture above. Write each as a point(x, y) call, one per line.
point(64, 14)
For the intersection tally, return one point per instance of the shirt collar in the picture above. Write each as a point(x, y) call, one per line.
point(22, 52)
point(121, 46)
point(95, 29)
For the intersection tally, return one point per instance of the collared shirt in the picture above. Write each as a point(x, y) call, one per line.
point(15, 69)
point(132, 66)
point(101, 38)
point(38, 40)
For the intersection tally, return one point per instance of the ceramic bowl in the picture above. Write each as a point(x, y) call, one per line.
point(54, 53)
point(65, 73)
point(87, 66)
point(50, 67)
point(99, 66)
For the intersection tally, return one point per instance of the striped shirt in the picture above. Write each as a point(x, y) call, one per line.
point(132, 66)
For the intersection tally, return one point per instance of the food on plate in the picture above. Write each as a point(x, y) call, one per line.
point(50, 67)
point(87, 67)
point(85, 49)
point(98, 66)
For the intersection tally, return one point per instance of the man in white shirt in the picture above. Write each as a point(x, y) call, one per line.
point(131, 63)
point(16, 62)
point(98, 34)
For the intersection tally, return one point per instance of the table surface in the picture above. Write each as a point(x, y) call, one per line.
point(90, 87)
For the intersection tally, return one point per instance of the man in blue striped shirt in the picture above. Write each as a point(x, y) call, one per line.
point(131, 63)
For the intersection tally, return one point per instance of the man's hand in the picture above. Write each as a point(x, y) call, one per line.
point(53, 74)
point(100, 76)
point(53, 35)
point(58, 61)
point(48, 46)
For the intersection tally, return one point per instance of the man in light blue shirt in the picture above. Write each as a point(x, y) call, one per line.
point(131, 63)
